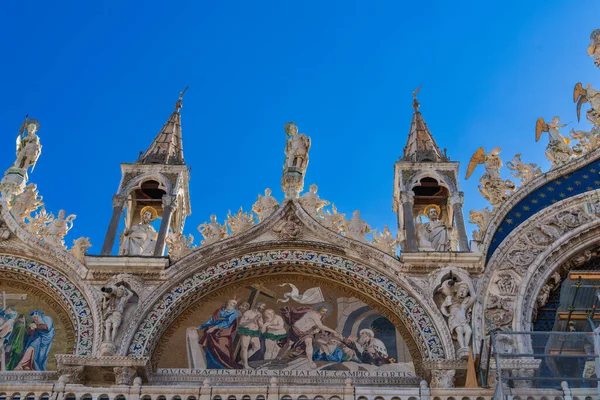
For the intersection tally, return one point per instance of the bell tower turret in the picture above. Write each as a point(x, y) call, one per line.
point(155, 186)
point(427, 197)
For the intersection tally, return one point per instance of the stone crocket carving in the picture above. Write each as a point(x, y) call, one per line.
point(239, 222)
point(178, 246)
point(591, 95)
point(212, 231)
point(587, 140)
point(80, 247)
point(265, 205)
point(493, 188)
point(558, 150)
point(385, 242)
point(523, 171)
point(25, 203)
point(332, 220)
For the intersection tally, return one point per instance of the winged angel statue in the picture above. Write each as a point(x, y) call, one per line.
point(583, 95)
point(558, 150)
point(493, 188)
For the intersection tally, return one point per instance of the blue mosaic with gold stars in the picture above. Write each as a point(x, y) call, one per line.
point(583, 180)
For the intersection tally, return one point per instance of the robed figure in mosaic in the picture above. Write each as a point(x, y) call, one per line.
point(39, 337)
point(218, 335)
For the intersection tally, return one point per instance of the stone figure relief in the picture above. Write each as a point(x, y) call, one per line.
point(212, 231)
point(481, 218)
point(114, 301)
point(356, 228)
point(140, 240)
point(523, 171)
point(506, 283)
point(551, 285)
point(57, 229)
point(265, 205)
point(594, 47)
point(296, 148)
point(558, 150)
point(289, 229)
point(80, 247)
point(583, 95)
point(311, 202)
point(178, 246)
point(25, 203)
point(239, 222)
point(499, 311)
point(385, 242)
point(492, 187)
point(28, 145)
point(456, 307)
point(434, 235)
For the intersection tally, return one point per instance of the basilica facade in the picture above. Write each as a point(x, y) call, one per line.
point(294, 300)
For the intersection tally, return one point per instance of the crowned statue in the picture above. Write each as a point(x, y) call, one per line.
point(141, 239)
point(433, 235)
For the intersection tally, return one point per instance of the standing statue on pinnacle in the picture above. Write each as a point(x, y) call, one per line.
point(296, 161)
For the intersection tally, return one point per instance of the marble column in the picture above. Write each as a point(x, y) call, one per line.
point(457, 200)
point(169, 203)
point(408, 200)
point(111, 232)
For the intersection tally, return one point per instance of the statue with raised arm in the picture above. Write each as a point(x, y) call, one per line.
point(265, 205)
point(594, 47)
point(591, 95)
point(55, 232)
point(492, 187)
point(28, 145)
point(296, 148)
point(558, 150)
point(456, 306)
point(356, 228)
point(140, 240)
point(311, 202)
point(434, 235)
point(212, 231)
point(114, 301)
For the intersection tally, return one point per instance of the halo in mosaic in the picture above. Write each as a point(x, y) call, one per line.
point(410, 312)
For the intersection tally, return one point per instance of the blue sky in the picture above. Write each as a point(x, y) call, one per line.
point(103, 78)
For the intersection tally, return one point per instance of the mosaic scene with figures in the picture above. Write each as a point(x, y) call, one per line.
point(32, 329)
point(281, 325)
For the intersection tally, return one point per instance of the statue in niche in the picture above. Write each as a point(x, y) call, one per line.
point(311, 202)
point(296, 148)
point(356, 228)
point(434, 235)
point(265, 205)
point(26, 202)
point(212, 231)
point(28, 145)
point(558, 150)
point(141, 239)
point(114, 301)
point(57, 229)
point(456, 306)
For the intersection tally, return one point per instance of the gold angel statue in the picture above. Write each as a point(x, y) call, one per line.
point(583, 95)
point(558, 150)
point(492, 187)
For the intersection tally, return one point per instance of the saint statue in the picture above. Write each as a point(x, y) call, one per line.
point(311, 202)
point(212, 231)
point(114, 301)
point(141, 239)
point(296, 148)
point(456, 305)
point(356, 228)
point(265, 205)
point(28, 145)
point(433, 235)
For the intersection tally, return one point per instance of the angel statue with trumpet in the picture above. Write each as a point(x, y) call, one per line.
point(558, 150)
point(493, 188)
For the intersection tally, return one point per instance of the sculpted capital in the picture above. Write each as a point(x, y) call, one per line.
point(169, 201)
point(457, 198)
point(119, 200)
point(407, 197)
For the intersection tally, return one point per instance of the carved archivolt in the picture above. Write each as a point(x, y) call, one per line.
point(379, 288)
point(523, 270)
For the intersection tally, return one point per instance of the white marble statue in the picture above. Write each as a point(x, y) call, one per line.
point(558, 150)
point(80, 247)
point(28, 145)
point(114, 301)
point(591, 95)
point(355, 228)
point(265, 205)
point(178, 246)
point(332, 220)
point(492, 187)
point(212, 231)
point(456, 306)
point(523, 171)
point(25, 203)
point(385, 242)
point(311, 202)
point(239, 222)
point(55, 232)
point(434, 235)
point(594, 47)
point(296, 148)
point(140, 240)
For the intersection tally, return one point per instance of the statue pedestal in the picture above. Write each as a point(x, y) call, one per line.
point(463, 353)
point(13, 182)
point(292, 182)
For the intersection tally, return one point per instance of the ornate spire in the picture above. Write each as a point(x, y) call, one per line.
point(167, 147)
point(420, 145)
